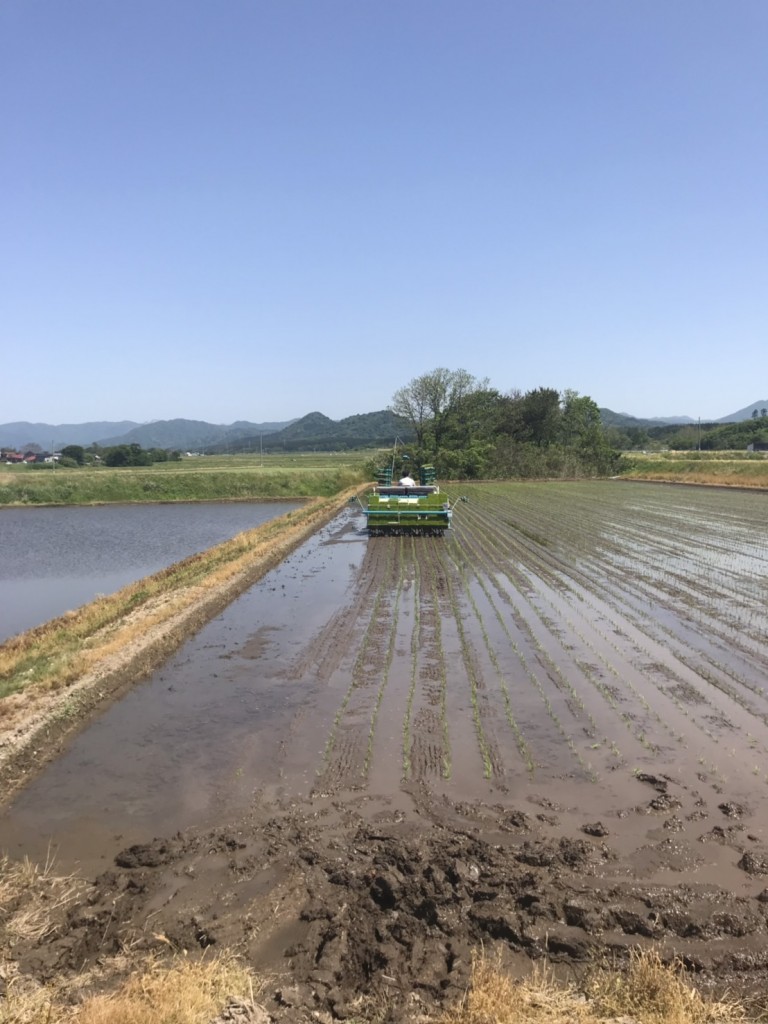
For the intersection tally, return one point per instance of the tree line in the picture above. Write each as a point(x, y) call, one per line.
point(115, 455)
point(468, 429)
point(693, 436)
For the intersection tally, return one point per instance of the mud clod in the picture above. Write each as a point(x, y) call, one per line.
point(596, 828)
point(754, 864)
point(149, 855)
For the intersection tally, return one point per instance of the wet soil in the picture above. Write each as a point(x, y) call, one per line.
point(544, 734)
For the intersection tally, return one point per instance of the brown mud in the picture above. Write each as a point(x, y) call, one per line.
point(545, 734)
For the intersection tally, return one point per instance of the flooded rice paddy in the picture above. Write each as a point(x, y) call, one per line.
point(576, 675)
point(55, 559)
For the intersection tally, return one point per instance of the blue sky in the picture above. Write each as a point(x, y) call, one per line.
point(251, 210)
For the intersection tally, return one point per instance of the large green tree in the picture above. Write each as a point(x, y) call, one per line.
point(469, 429)
point(75, 452)
point(430, 401)
point(540, 414)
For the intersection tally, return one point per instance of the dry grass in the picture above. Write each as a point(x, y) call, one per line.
point(185, 992)
point(32, 898)
point(648, 992)
point(153, 993)
point(655, 993)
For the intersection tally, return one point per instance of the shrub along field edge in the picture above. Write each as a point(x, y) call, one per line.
point(54, 676)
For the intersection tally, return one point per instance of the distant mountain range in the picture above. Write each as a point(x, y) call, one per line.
point(316, 430)
point(757, 408)
point(312, 430)
point(185, 435)
point(621, 419)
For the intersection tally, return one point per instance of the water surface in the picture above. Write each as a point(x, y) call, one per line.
point(204, 730)
point(55, 559)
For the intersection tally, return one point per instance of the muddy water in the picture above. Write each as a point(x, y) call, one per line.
point(55, 559)
point(198, 738)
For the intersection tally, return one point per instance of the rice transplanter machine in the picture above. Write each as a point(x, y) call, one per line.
point(415, 508)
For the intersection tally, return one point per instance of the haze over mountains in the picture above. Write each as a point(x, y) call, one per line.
point(197, 435)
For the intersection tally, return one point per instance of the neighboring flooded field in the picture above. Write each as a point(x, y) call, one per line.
point(56, 559)
point(547, 731)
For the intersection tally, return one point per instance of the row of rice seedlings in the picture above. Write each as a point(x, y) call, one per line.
point(677, 703)
point(584, 666)
point(481, 529)
point(648, 567)
point(698, 661)
point(482, 532)
point(651, 595)
point(686, 673)
point(415, 648)
point(358, 678)
point(687, 657)
point(542, 569)
point(447, 758)
point(711, 635)
point(704, 592)
point(532, 676)
point(522, 745)
point(387, 659)
point(472, 675)
point(718, 567)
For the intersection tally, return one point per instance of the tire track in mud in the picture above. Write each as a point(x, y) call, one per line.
point(323, 656)
point(348, 748)
point(426, 746)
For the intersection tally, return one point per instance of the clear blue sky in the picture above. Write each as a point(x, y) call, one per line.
point(251, 210)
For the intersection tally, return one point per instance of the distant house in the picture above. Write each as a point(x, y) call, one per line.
point(758, 446)
point(12, 457)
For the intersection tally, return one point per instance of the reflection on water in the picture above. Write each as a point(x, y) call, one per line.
point(56, 559)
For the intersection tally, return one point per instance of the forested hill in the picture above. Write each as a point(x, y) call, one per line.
point(191, 435)
point(180, 434)
point(622, 419)
point(21, 434)
point(318, 431)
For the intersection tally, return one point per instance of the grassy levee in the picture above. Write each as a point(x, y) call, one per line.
point(52, 676)
point(723, 469)
point(199, 480)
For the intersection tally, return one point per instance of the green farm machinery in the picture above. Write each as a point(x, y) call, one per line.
point(407, 507)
